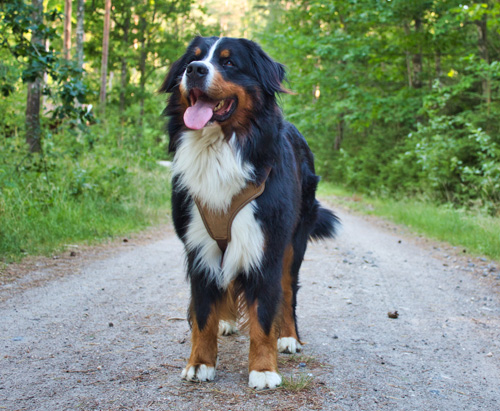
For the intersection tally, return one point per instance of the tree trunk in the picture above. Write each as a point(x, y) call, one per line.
point(142, 66)
point(67, 29)
point(414, 60)
point(409, 70)
point(33, 129)
point(437, 61)
point(340, 133)
point(482, 31)
point(44, 81)
point(417, 57)
point(124, 64)
point(143, 26)
point(80, 32)
point(104, 61)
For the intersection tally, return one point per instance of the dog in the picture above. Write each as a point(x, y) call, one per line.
point(243, 202)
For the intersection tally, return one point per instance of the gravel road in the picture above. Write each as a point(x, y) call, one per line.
point(109, 332)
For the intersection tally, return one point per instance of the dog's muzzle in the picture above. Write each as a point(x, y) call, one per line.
point(196, 75)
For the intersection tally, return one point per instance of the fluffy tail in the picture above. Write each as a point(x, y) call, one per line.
point(326, 224)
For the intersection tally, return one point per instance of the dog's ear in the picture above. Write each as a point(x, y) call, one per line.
point(270, 74)
point(174, 76)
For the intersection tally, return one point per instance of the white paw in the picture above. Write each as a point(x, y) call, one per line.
point(200, 372)
point(227, 327)
point(260, 380)
point(288, 345)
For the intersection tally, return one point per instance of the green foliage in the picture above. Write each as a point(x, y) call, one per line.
point(454, 160)
point(408, 94)
point(16, 24)
point(76, 195)
point(475, 232)
point(33, 61)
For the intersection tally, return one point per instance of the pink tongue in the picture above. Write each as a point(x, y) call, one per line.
point(196, 117)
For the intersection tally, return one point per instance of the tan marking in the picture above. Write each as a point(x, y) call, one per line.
point(204, 342)
point(197, 51)
point(287, 328)
point(183, 100)
point(225, 53)
point(221, 89)
point(263, 354)
point(228, 306)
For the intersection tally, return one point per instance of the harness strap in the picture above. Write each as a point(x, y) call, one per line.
point(218, 224)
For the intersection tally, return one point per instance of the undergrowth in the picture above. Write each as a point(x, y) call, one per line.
point(84, 191)
point(475, 231)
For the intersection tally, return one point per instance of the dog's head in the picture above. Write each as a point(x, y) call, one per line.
point(223, 80)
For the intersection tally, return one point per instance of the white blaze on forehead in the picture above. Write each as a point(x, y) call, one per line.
point(210, 66)
point(211, 52)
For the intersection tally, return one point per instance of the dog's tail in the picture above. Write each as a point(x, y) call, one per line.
point(327, 224)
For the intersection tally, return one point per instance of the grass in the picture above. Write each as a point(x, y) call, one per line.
point(40, 217)
point(477, 233)
point(295, 383)
point(296, 359)
point(303, 380)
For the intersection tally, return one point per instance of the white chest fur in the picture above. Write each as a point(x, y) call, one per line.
point(211, 169)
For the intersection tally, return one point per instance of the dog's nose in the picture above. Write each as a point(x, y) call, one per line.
point(196, 69)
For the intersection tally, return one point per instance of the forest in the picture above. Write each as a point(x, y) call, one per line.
point(398, 99)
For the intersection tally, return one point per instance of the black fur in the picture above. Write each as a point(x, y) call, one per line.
point(287, 210)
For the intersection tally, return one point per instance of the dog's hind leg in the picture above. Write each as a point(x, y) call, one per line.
point(288, 341)
point(227, 327)
point(229, 312)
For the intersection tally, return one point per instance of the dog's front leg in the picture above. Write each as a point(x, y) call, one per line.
point(204, 317)
point(263, 356)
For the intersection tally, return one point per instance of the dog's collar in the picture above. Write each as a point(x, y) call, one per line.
point(219, 224)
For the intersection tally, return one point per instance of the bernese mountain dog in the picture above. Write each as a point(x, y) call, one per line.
point(243, 202)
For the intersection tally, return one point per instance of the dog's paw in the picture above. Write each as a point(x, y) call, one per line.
point(288, 345)
point(266, 379)
point(200, 372)
point(227, 327)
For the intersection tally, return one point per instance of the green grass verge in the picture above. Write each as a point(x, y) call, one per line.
point(477, 233)
point(87, 204)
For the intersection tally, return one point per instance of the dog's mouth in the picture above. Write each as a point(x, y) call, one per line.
point(204, 109)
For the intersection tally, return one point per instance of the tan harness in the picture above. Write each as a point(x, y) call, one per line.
point(219, 224)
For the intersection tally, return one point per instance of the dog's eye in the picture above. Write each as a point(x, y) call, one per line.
point(228, 63)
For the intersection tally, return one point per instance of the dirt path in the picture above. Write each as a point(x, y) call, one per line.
point(112, 335)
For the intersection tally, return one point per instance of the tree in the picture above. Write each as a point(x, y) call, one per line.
point(124, 60)
point(33, 129)
point(67, 29)
point(105, 52)
point(80, 33)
